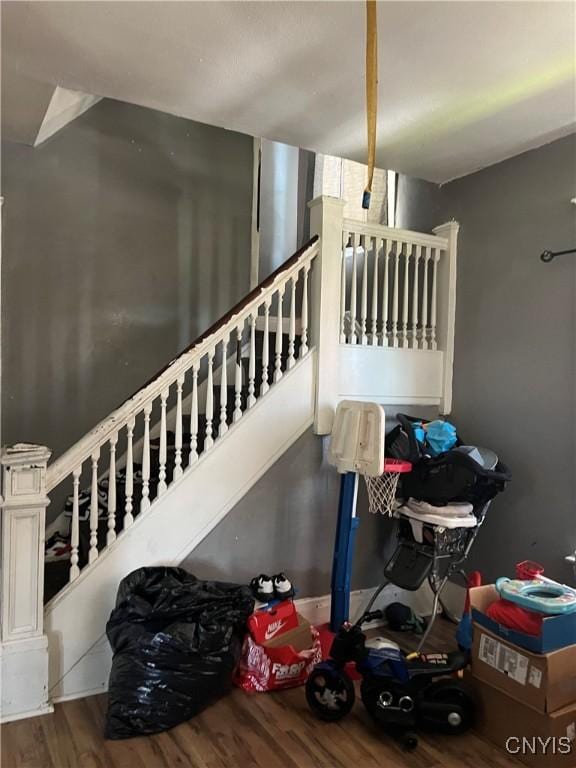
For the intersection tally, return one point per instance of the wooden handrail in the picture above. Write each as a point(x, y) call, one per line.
point(93, 440)
point(237, 308)
point(391, 233)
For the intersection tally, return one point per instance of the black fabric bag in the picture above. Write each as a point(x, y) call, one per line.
point(176, 641)
point(401, 442)
point(454, 476)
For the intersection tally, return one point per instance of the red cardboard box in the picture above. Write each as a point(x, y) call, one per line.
point(265, 625)
point(277, 665)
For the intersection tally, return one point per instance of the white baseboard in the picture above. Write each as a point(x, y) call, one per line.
point(44, 710)
point(317, 609)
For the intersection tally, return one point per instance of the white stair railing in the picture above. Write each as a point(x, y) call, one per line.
point(404, 305)
point(382, 289)
point(94, 456)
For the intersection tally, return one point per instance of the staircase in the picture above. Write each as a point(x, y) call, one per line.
point(360, 311)
point(57, 573)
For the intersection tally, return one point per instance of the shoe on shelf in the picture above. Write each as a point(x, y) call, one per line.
point(57, 548)
point(283, 589)
point(262, 588)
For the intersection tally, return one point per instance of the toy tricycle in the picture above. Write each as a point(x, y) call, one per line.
point(402, 693)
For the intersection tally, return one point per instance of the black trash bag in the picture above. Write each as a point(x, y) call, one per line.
point(176, 642)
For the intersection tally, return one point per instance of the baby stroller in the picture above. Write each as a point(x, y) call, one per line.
point(446, 499)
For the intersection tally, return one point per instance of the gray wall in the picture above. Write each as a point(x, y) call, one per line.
point(287, 521)
point(514, 390)
point(286, 186)
point(514, 381)
point(124, 237)
point(417, 204)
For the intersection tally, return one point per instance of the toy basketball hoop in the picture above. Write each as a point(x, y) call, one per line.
point(357, 448)
point(382, 488)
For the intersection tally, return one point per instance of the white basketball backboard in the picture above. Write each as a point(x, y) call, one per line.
point(357, 439)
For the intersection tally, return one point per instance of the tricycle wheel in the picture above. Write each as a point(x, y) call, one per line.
point(453, 693)
point(409, 741)
point(330, 694)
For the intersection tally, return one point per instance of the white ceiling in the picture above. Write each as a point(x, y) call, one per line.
point(462, 85)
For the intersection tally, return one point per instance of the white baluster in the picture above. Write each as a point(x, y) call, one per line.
point(292, 325)
point(395, 294)
point(163, 453)
point(238, 376)
point(353, 290)
point(424, 336)
point(435, 260)
point(385, 295)
point(145, 501)
point(111, 534)
point(278, 360)
point(93, 551)
point(364, 294)
point(193, 458)
point(209, 441)
point(264, 387)
point(223, 428)
point(178, 471)
point(405, 296)
point(75, 531)
point(342, 289)
point(252, 363)
point(415, 299)
point(374, 339)
point(304, 320)
point(129, 487)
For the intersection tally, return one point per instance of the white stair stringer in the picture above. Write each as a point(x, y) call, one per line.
point(75, 619)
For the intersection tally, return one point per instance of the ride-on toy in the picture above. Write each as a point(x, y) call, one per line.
point(402, 693)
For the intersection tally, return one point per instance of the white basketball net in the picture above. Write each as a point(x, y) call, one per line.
point(382, 492)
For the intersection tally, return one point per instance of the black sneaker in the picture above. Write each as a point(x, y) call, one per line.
point(262, 588)
point(283, 589)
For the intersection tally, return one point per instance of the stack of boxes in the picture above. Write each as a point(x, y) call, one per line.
point(525, 685)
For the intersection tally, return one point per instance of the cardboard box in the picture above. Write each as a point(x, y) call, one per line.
point(557, 631)
point(265, 624)
point(536, 739)
point(545, 682)
point(299, 638)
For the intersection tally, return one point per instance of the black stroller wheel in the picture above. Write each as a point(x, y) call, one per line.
point(330, 694)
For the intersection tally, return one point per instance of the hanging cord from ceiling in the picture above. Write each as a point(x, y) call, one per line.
point(371, 93)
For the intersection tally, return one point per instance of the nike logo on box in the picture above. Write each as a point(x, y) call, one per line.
point(273, 629)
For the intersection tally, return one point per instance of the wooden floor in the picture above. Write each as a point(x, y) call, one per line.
point(239, 731)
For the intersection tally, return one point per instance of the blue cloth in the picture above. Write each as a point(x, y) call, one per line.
point(440, 437)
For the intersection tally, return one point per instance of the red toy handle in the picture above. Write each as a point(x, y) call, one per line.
point(474, 580)
point(528, 570)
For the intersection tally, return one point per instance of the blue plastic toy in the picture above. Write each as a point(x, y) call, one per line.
point(540, 595)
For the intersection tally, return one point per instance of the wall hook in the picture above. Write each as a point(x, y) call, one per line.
point(547, 256)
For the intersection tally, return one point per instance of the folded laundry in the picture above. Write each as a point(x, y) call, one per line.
point(456, 509)
point(469, 521)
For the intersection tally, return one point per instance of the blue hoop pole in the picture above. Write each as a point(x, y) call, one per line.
point(344, 551)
